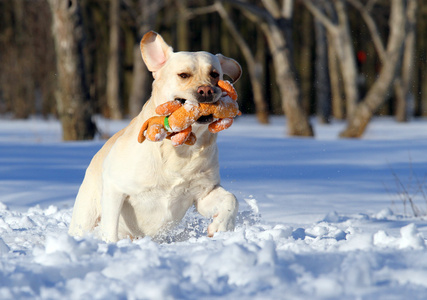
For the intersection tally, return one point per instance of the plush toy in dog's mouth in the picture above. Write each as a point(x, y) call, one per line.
point(182, 100)
point(203, 119)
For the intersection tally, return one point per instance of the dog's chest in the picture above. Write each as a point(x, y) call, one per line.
point(173, 188)
point(156, 209)
point(188, 176)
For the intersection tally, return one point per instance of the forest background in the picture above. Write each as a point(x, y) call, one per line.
point(338, 59)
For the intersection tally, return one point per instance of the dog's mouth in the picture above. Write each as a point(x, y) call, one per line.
point(205, 119)
point(182, 100)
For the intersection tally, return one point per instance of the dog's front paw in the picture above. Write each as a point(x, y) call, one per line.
point(220, 224)
point(109, 239)
point(106, 236)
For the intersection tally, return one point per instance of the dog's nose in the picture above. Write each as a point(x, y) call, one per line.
point(205, 93)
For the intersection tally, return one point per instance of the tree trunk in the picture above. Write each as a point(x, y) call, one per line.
point(21, 86)
point(336, 86)
point(297, 121)
point(321, 79)
point(403, 92)
point(422, 60)
point(275, 23)
point(423, 101)
point(254, 67)
point(340, 35)
point(347, 60)
point(378, 92)
point(114, 99)
point(72, 96)
point(305, 68)
point(401, 105)
point(140, 89)
point(182, 28)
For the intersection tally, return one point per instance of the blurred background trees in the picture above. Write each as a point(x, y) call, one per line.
point(337, 60)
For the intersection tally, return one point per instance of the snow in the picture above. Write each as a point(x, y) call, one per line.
point(322, 218)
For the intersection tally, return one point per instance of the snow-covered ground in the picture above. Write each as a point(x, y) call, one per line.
point(319, 218)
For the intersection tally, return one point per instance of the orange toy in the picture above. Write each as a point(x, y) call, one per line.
point(227, 87)
point(177, 126)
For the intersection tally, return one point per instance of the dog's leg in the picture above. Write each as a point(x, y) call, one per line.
point(112, 202)
point(85, 211)
point(85, 216)
point(222, 206)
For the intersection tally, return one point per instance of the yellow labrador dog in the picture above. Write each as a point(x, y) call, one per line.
point(132, 189)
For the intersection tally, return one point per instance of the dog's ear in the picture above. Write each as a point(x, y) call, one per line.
point(155, 52)
point(230, 67)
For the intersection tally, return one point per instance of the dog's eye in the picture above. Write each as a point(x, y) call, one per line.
point(214, 74)
point(184, 75)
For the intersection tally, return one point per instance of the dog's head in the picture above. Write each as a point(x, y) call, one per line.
point(185, 76)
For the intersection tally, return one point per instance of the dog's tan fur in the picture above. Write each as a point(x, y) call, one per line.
point(134, 189)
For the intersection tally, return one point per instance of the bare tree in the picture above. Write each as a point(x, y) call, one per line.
point(336, 83)
point(275, 21)
point(403, 80)
point(72, 97)
point(18, 86)
point(421, 55)
point(377, 94)
point(254, 67)
point(304, 58)
point(338, 29)
point(404, 96)
point(321, 79)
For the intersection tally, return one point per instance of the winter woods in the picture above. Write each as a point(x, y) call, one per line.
point(338, 59)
